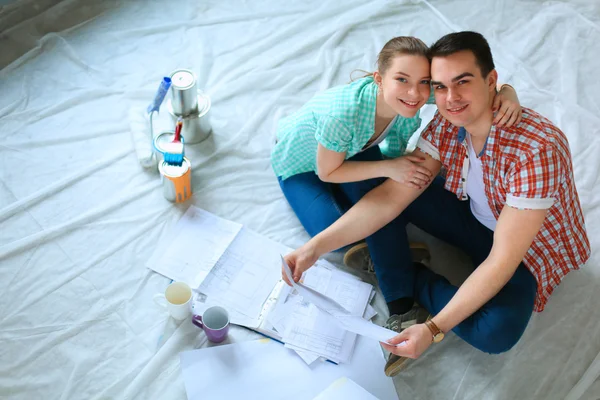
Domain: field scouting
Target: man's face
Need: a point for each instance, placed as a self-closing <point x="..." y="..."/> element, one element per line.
<point x="463" y="96"/>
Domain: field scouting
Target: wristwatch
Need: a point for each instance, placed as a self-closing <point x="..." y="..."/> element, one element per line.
<point x="437" y="333"/>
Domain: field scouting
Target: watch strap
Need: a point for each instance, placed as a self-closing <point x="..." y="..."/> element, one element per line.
<point x="433" y="328"/>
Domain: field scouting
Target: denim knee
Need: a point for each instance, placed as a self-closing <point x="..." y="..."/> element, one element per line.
<point x="357" y="190"/>
<point x="498" y="335"/>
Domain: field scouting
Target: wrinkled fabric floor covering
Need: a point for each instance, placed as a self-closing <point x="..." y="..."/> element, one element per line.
<point x="80" y="217"/>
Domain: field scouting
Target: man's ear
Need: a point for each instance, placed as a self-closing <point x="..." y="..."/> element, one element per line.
<point x="492" y="80"/>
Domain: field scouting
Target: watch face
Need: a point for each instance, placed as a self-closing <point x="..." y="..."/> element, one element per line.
<point x="439" y="337"/>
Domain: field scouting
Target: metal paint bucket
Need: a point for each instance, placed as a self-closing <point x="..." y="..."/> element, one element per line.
<point x="176" y="180"/>
<point x="184" y="100"/>
<point x="164" y="137"/>
<point x="196" y="126"/>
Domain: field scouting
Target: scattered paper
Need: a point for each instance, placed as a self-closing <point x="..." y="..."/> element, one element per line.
<point x="370" y="312"/>
<point x="196" y="243"/>
<point x="244" y="276"/>
<point x="307" y="356"/>
<point x="264" y="369"/>
<point x="314" y="330"/>
<point x="345" y="389"/>
<point x="349" y="322"/>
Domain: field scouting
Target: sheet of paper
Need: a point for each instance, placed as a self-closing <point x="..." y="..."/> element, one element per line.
<point x="366" y="328"/>
<point x="244" y="277"/>
<point x="282" y="314"/>
<point x="372" y="295"/>
<point x="265" y="369"/>
<point x="284" y="310"/>
<point x="349" y="322"/>
<point x="310" y="295"/>
<point x="314" y="330"/>
<point x="370" y="312"/>
<point x="303" y="331"/>
<point x="345" y="289"/>
<point x="234" y="317"/>
<point x="307" y="356"/>
<point x="196" y="243"/>
<point x="345" y="389"/>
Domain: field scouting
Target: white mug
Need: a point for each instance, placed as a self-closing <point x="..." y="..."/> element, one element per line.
<point x="177" y="300"/>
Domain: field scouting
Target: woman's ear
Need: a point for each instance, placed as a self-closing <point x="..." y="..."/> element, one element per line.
<point x="377" y="78"/>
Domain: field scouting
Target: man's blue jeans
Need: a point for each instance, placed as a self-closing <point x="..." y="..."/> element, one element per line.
<point x="494" y="328"/>
<point x="500" y="323"/>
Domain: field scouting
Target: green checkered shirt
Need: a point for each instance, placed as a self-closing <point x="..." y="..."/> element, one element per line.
<point x="341" y="119"/>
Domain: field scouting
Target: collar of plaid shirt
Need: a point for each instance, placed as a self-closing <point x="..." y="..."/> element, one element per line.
<point x="462" y="134"/>
<point x="461" y="189"/>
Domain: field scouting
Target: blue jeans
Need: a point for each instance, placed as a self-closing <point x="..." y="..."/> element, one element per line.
<point x="319" y="204"/>
<point x="494" y="328"/>
<point x="500" y="323"/>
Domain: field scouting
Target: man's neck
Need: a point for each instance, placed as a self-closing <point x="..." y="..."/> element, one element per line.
<point x="480" y="129"/>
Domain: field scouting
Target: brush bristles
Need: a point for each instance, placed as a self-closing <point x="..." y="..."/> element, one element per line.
<point x="174" y="159"/>
<point x="173" y="148"/>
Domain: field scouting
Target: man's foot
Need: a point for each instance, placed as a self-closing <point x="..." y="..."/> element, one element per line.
<point x="398" y="323"/>
<point x="420" y="253"/>
<point x="358" y="256"/>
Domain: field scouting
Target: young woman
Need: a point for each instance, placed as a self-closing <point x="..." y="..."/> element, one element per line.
<point x="349" y="139"/>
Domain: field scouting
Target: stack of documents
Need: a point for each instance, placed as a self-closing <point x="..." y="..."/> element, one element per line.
<point x="240" y="270"/>
<point x="309" y="330"/>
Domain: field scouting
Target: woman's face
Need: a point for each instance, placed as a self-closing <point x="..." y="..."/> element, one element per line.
<point x="405" y="84"/>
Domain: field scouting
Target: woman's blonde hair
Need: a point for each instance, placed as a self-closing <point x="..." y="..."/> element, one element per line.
<point x="400" y="45"/>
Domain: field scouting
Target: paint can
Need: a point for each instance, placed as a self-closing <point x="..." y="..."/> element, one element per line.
<point x="184" y="98"/>
<point x="160" y="140"/>
<point x="176" y="180"/>
<point x="196" y="126"/>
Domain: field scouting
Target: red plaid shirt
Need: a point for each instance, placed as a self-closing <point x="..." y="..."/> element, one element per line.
<point x="527" y="166"/>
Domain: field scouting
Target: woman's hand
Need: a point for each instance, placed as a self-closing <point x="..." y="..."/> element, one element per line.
<point x="407" y="171"/>
<point x="507" y="107"/>
<point x="416" y="338"/>
<point x="299" y="261"/>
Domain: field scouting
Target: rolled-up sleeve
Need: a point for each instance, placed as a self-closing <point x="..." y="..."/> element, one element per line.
<point x="429" y="142"/>
<point x="535" y="181"/>
<point x="333" y="134"/>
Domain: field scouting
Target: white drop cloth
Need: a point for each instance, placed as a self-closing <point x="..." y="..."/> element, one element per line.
<point x="79" y="217"/>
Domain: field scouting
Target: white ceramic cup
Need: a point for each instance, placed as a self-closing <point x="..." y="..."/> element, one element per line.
<point x="177" y="300"/>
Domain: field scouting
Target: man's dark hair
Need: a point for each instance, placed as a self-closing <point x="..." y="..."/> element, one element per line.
<point x="460" y="41"/>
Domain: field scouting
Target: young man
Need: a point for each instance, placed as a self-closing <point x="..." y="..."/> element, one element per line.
<point x="508" y="200"/>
